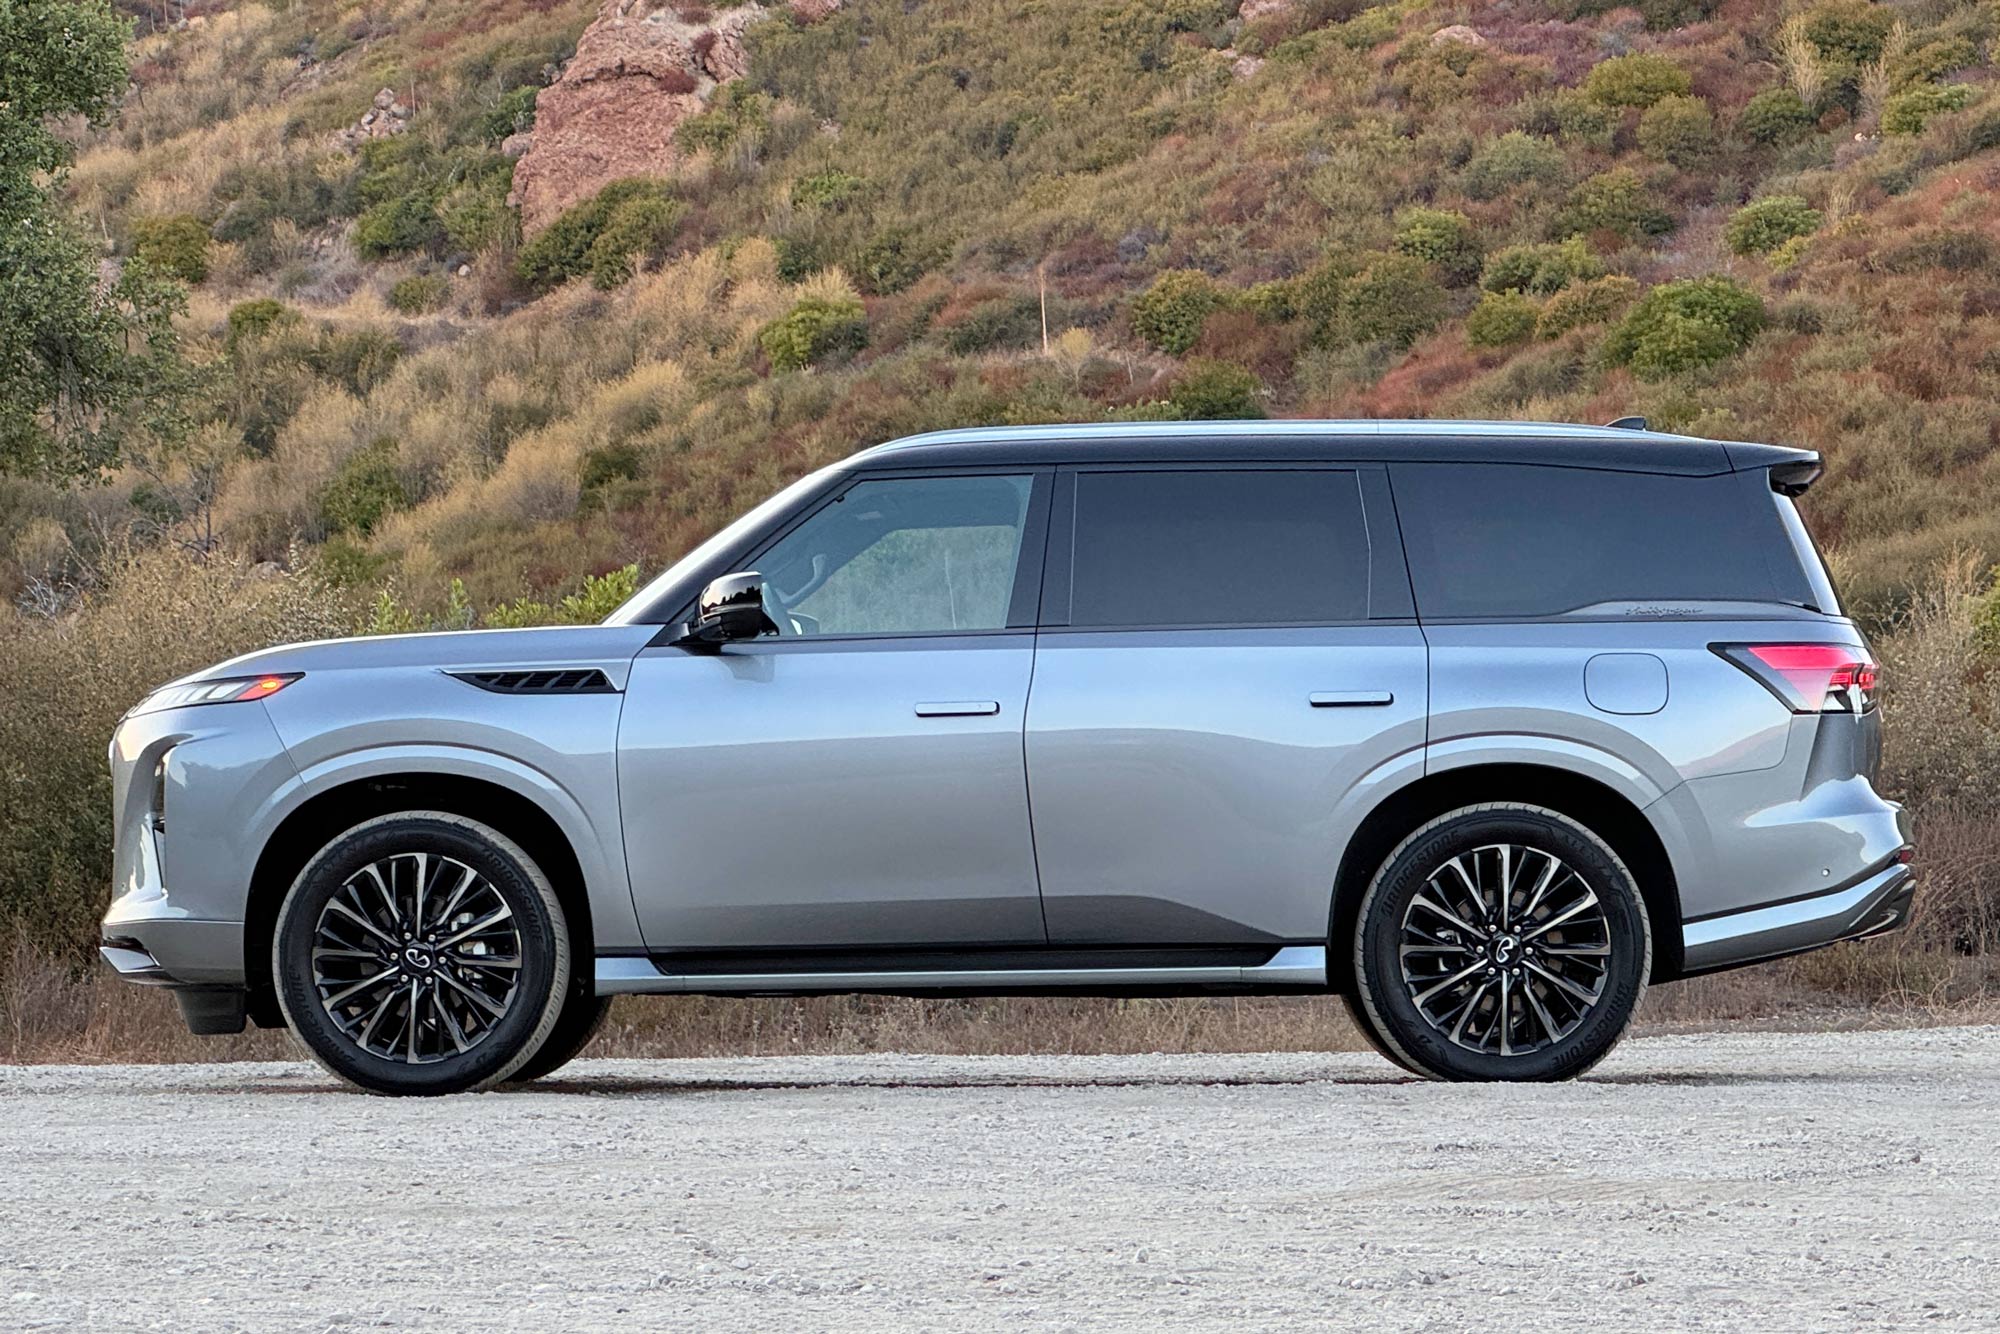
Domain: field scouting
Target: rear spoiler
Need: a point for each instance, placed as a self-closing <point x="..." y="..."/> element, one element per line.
<point x="1792" y="478"/>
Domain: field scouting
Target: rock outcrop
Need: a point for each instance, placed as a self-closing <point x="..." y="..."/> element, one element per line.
<point x="640" y="69"/>
<point x="387" y="116"/>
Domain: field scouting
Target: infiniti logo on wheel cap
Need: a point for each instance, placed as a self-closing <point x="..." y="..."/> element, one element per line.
<point x="417" y="957"/>
<point x="1505" y="948"/>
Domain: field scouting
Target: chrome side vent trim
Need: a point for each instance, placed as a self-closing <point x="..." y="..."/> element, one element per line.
<point x="542" y="681"/>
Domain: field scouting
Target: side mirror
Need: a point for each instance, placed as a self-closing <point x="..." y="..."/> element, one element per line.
<point x="730" y="608"/>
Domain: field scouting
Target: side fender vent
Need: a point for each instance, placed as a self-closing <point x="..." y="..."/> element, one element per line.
<point x="554" y="681"/>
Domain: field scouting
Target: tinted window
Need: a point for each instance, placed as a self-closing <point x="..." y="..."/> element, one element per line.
<point x="1218" y="548"/>
<point x="1494" y="540"/>
<point x="917" y="555"/>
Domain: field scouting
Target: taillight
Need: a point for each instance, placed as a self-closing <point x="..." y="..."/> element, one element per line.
<point x="1810" y="678"/>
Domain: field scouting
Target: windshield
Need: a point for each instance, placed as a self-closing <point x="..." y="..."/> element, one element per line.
<point x="635" y="607"/>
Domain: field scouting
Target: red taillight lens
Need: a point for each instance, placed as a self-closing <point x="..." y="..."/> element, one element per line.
<point x="1810" y="678"/>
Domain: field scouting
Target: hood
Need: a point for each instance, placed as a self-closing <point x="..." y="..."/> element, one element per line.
<point x="609" y="647"/>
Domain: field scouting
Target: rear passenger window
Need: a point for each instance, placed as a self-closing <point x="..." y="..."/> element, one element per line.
<point x="1213" y="547"/>
<point x="1509" y="541"/>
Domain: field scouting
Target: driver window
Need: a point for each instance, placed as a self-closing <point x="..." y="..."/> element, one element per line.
<point x="909" y="555"/>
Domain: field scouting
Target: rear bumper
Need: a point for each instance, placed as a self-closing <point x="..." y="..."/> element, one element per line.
<point x="1874" y="905"/>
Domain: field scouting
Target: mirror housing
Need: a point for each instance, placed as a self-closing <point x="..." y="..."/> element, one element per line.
<point x="730" y="608"/>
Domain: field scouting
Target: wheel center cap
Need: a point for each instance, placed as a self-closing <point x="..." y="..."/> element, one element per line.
<point x="1506" y="949"/>
<point x="417" y="957"/>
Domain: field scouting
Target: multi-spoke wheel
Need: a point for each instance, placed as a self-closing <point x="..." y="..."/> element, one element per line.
<point x="422" y="953"/>
<point x="1501" y="942"/>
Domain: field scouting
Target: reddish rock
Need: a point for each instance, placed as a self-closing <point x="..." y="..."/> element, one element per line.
<point x="1252" y="10"/>
<point x="640" y="70"/>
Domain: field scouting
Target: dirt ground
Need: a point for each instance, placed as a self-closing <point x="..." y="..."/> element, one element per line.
<point x="1744" y="1180"/>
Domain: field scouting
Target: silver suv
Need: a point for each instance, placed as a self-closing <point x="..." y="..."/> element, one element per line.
<point x="1483" y="726"/>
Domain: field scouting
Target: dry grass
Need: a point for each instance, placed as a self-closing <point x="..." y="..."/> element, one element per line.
<point x="54" y="1012"/>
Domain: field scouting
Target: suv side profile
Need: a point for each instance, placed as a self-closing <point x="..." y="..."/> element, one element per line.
<point x="1484" y="726"/>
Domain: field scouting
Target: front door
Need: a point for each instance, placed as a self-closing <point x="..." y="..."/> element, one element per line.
<point x="855" y="780"/>
<point x="1227" y="655"/>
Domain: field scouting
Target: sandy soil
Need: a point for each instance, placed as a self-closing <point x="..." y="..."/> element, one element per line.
<point x="1734" y="1181"/>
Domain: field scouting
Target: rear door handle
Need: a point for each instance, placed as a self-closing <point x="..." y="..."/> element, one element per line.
<point x="1350" y="699"/>
<point x="957" y="708"/>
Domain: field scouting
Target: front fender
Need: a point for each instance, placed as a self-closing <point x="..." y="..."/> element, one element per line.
<point x="596" y="839"/>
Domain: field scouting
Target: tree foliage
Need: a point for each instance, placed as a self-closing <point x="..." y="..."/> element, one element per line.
<point x="85" y="366"/>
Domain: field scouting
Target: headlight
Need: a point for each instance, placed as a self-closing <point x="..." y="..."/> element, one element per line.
<point x="228" y="690"/>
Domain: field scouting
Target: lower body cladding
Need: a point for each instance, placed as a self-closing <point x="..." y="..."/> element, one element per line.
<point x="1160" y="973"/>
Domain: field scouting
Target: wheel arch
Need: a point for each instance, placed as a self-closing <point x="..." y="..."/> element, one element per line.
<point x="325" y="815"/>
<point x="1597" y="806"/>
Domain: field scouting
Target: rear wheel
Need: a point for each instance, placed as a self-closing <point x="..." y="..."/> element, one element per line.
<point x="421" y="953"/>
<point x="1501" y="941"/>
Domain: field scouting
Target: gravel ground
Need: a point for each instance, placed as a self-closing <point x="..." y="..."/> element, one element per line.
<point x="1737" y="1181"/>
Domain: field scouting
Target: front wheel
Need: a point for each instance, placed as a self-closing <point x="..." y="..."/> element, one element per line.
<point x="1502" y="942"/>
<point x="421" y="953"/>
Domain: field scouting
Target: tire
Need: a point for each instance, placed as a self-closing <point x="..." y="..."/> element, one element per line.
<point x="400" y="996"/>
<point x="582" y="1016"/>
<point x="1364" y="1023"/>
<point x="1542" y="991"/>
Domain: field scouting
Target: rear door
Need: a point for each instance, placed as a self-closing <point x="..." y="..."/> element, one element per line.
<point x="1225" y="651"/>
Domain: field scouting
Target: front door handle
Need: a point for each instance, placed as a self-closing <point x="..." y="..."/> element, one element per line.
<point x="1349" y="699"/>
<point x="957" y="708"/>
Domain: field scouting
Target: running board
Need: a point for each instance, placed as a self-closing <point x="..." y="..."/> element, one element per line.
<point x="1292" y="966"/>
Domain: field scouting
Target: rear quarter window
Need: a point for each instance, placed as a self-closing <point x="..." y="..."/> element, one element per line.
<point x="1508" y="541"/>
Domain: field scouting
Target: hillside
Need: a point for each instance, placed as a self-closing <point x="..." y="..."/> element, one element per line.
<point x="492" y="296"/>
<point x="1310" y="208"/>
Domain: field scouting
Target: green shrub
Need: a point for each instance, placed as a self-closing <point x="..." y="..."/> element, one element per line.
<point x="364" y="491"/>
<point x="896" y="257"/>
<point x="1775" y="116"/>
<point x="738" y="111"/>
<point x="175" y="244"/>
<point x="398" y="226"/>
<point x="1541" y="269"/>
<point x="251" y="320"/>
<point x="1679" y="131"/>
<point x="600" y="595"/>
<point x="1613" y="201"/>
<point x="1275" y="301"/>
<point x="1637" y="80"/>
<point x="1908" y="112"/>
<point x="1394" y="300"/>
<point x="1501" y="319"/>
<point x="475" y="214"/>
<point x="830" y="189"/>
<point x="1511" y="160"/>
<point x="419" y="294"/>
<point x="1002" y="322"/>
<point x="1684" y="326"/>
<point x="1583" y="304"/>
<point x="603" y="236"/>
<point x="1441" y="238"/>
<point x="1170" y="313"/>
<point x="1932" y="61"/>
<point x="1849" y="33"/>
<point x="359" y="359"/>
<point x="640" y="227"/>
<point x="514" y="113"/>
<point x="1761" y="227"/>
<point x="815" y="328"/>
<point x="1216" y="391"/>
<point x="1953" y="249"/>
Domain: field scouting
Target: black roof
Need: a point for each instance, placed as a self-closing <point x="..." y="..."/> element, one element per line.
<point x="1330" y="441"/>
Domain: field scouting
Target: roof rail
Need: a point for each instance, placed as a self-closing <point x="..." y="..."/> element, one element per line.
<point x="1627" y="424"/>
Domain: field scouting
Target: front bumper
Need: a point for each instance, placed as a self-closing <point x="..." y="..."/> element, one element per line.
<point x="1874" y="905"/>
